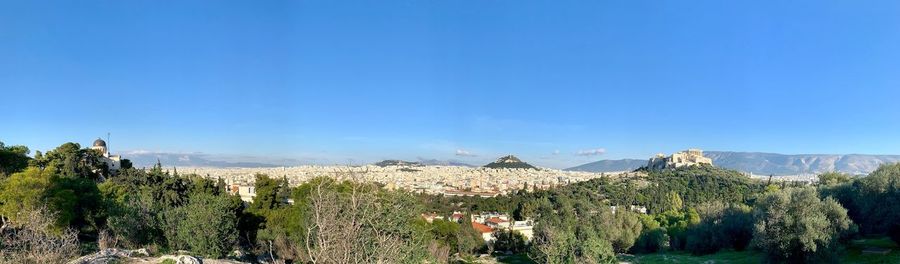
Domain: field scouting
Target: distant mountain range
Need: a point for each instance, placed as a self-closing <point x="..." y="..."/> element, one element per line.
<point x="765" y="163"/>
<point x="610" y="165"/>
<point x="421" y="162"/>
<point x="147" y="160"/>
<point x="509" y="162"/>
<point x="385" y="163"/>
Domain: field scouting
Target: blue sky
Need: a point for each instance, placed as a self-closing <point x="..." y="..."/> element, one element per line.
<point x="359" y="81"/>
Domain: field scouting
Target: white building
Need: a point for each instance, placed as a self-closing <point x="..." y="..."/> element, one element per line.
<point x="247" y="193"/>
<point x="526" y="228"/>
<point x="113" y="162"/>
<point x="488" y="222"/>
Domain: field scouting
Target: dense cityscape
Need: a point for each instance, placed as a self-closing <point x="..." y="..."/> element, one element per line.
<point x="446" y="180"/>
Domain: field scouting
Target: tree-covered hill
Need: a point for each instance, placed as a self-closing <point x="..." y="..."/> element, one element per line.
<point x="509" y="162"/>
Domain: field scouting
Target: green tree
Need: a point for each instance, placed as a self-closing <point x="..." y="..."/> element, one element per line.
<point x="675" y="203"/>
<point x="554" y="245"/>
<point x="445" y="232"/>
<point x="71" y="161"/>
<point x="13" y="159"/>
<point x="653" y="236"/>
<point x="622" y="229"/>
<point x="796" y="226"/>
<point x="834" y="178"/>
<point x="270" y="194"/>
<point x="132" y="220"/>
<point x="206" y="225"/>
<point x="721" y="226"/>
<point x="505" y="240"/>
<point x="74" y="202"/>
<point x="24" y="191"/>
<point x="873" y="201"/>
<point x="468" y="240"/>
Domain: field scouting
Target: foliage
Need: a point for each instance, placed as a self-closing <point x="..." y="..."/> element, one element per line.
<point x="24" y="190"/>
<point x="894" y="233"/>
<point x="13" y="159"/>
<point x="553" y="245"/>
<point x="71" y="161"/>
<point x="156" y="207"/>
<point x="834" y="178"/>
<point x="133" y="224"/>
<point x="205" y="225"/>
<point x="676" y="224"/>
<point x="75" y="202"/>
<point x="873" y="201"/>
<point x="795" y="225"/>
<point x="622" y="229"/>
<point x="510" y="241"/>
<point x="695" y="185"/>
<point x="270" y="194"/>
<point x="468" y="240"/>
<point x="359" y="223"/>
<point x="722" y="226"/>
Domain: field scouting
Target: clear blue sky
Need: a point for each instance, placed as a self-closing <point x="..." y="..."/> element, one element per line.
<point x="337" y="81"/>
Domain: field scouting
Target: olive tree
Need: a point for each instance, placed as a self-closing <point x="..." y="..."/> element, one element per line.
<point x="795" y="225"/>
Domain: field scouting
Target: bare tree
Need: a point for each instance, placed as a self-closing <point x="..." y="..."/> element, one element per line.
<point x="4" y="223"/>
<point x="35" y="239"/>
<point x="356" y="225"/>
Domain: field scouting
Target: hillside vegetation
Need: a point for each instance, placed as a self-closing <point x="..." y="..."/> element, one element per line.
<point x="58" y="205"/>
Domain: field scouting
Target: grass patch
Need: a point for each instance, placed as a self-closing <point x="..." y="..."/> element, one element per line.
<point x="854" y="252"/>
<point x="851" y="254"/>
<point x="727" y="256"/>
<point x="520" y="258"/>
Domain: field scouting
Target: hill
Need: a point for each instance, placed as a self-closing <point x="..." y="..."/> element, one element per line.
<point x="766" y="163"/>
<point x="509" y="162"/>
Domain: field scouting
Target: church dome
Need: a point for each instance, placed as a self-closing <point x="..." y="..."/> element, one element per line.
<point x="99" y="143"/>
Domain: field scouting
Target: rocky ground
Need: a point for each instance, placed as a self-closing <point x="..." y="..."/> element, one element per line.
<point x="113" y="255"/>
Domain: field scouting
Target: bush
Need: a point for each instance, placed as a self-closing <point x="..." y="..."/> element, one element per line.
<point x="796" y="226"/>
<point x="874" y="201"/>
<point x="704" y="239"/>
<point x="651" y="241"/>
<point x="132" y="223"/>
<point x="556" y="245"/>
<point x="206" y="225"/>
<point x="894" y="233"/>
<point x="509" y="241"/>
<point x="721" y="227"/>
<point x="34" y="238"/>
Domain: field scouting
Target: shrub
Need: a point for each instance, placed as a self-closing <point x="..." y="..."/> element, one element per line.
<point x="894" y="233"/>
<point x="206" y="225"/>
<point x="34" y="238"/>
<point x="794" y="225"/>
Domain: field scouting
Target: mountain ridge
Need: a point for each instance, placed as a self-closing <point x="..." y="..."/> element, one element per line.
<point x="766" y="163"/>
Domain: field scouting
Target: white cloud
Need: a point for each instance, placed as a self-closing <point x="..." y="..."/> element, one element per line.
<point x="555" y="152"/>
<point x="139" y="152"/>
<point x="464" y="153"/>
<point x="591" y="152"/>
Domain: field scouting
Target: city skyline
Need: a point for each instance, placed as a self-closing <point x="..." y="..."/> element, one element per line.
<point x="556" y="85"/>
